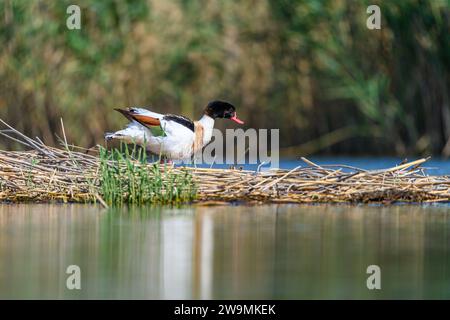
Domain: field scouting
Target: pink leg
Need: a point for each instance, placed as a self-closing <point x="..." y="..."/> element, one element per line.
<point x="167" y="161"/>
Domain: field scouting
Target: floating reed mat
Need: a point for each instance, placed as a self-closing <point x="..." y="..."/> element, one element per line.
<point x="69" y="174"/>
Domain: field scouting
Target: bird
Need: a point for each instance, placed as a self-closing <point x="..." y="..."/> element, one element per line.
<point x="172" y="137"/>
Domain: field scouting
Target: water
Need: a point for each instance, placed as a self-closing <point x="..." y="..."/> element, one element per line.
<point x="239" y="252"/>
<point x="434" y="166"/>
<point x="229" y="252"/>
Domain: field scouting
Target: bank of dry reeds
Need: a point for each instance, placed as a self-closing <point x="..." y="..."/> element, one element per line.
<point x="311" y="183"/>
<point x="69" y="174"/>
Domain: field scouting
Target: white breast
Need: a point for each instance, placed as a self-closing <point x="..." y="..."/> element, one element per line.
<point x="208" y="125"/>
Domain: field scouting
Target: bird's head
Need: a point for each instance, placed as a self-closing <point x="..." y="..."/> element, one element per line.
<point x="221" y="109"/>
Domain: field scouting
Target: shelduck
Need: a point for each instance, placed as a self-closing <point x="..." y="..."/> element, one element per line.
<point x="174" y="137"/>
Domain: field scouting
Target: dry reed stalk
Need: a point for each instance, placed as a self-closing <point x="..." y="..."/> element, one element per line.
<point x="47" y="173"/>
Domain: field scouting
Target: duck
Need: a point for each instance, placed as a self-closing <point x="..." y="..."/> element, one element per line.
<point x="170" y="136"/>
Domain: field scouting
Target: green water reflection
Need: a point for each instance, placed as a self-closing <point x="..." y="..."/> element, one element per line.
<point x="232" y="252"/>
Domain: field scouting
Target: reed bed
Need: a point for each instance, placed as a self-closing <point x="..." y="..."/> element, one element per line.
<point x="311" y="183"/>
<point x="70" y="174"/>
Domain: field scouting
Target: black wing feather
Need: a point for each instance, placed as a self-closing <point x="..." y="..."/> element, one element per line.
<point x="188" y="123"/>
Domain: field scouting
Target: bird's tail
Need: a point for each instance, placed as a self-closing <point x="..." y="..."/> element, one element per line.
<point x="110" y="136"/>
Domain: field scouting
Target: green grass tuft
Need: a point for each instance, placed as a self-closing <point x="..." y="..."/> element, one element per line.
<point x="127" y="178"/>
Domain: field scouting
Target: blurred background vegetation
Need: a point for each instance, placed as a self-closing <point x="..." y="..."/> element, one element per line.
<point x="310" y="68"/>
